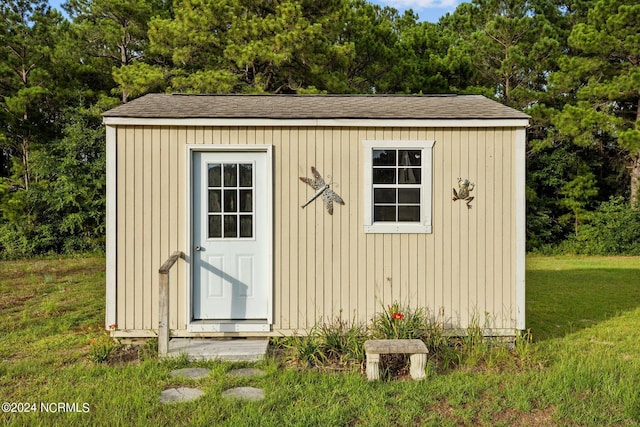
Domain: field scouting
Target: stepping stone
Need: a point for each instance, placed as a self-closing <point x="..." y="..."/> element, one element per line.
<point x="246" y="372"/>
<point x="244" y="393"/>
<point x="181" y="394"/>
<point x="193" y="373"/>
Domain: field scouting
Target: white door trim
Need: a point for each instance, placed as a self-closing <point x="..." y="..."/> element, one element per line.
<point x="226" y="326"/>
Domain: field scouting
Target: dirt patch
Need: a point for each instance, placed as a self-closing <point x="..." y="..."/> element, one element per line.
<point x="125" y="354"/>
<point x="506" y="417"/>
<point x="15" y="301"/>
<point x="537" y="417"/>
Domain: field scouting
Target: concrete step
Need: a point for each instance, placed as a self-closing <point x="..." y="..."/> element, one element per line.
<point x="234" y="350"/>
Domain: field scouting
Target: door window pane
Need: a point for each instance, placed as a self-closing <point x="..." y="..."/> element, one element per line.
<point x="246" y="175"/>
<point x="215" y="226"/>
<point x="230" y="201"/>
<point x="230" y="175"/>
<point x="246" y="226"/>
<point x="215" y="204"/>
<point x="214" y="175"/>
<point x="246" y="200"/>
<point x="230" y="226"/>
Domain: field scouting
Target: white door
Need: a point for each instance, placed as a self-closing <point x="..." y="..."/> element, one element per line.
<point x="230" y="239"/>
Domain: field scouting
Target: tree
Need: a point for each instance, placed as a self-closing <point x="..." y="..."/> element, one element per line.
<point x="604" y="79"/>
<point x="63" y="211"/>
<point x="26" y="88"/>
<point x="512" y="46"/>
<point x="285" y="46"/>
<point x="114" y="30"/>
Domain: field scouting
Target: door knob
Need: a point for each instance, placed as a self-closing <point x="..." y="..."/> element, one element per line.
<point x="198" y="248"/>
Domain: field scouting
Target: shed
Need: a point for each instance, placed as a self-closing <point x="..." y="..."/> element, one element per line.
<point x="218" y="178"/>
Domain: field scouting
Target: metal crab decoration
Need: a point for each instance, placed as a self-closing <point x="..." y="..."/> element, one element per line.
<point x="464" y="189"/>
<point x="328" y="195"/>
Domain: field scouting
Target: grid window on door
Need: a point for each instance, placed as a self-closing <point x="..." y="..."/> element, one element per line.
<point x="230" y="208"/>
<point x="397" y="183"/>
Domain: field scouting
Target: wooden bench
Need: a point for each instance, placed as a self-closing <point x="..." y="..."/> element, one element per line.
<point x="416" y="349"/>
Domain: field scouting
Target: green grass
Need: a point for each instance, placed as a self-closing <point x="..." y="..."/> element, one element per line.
<point x="582" y="369"/>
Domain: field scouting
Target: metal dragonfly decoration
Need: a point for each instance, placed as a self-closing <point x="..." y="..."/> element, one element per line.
<point x="322" y="188"/>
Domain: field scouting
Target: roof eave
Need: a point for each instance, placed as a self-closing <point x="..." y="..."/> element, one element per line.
<point x="318" y="122"/>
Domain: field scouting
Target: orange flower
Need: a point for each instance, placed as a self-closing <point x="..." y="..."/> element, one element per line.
<point x="112" y="327"/>
<point x="397" y="316"/>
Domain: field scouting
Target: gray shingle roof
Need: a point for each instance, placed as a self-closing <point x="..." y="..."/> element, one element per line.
<point x="315" y="107"/>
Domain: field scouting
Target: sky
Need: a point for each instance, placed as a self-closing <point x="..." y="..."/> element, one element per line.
<point x="427" y="10"/>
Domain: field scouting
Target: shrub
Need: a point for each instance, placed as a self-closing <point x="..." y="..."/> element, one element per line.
<point x="613" y="229"/>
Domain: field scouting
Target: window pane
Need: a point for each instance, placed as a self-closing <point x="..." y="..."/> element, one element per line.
<point x="246" y="226"/>
<point x="246" y="202"/>
<point x="230" y="226"/>
<point x="409" y="195"/>
<point x="409" y="213"/>
<point x="384" y="213"/>
<point x="230" y="201"/>
<point x="384" y="157"/>
<point x="409" y="158"/>
<point x="384" y="195"/>
<point x="230" y="175"/>
<point x="214" y="201"/>
<point x="384" y="176"/>
<point x="214" y="175"/>
<point x="215" y="226"/>
<point x="409" y="176"/>
<point x="246" y="171"/>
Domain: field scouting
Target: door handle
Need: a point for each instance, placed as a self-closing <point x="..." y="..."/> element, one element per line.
<point x="198" y="248"/>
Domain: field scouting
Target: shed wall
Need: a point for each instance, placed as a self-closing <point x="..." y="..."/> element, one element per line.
<point x="326" y="265"/>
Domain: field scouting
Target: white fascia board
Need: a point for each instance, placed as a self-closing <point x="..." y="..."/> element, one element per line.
<point x="521" y="232"/>
<point x="111" y="227"/>
<point x="411" y="123"/>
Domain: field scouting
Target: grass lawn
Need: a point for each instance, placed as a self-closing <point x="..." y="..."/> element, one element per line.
<point x="583" y="368"/>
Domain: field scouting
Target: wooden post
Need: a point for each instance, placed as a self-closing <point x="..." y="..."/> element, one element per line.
<point x="163" y="316"/>
<point x="163" y="302"/>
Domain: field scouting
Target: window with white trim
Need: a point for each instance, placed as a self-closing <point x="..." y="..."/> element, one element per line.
<point x="398" y="182"/>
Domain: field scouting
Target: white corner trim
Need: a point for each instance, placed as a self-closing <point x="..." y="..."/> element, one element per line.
<point x="190" y="149"/>
<point x="425" y="224"/>
<point x="521" y="231"/>
<point x="111" y="226"/>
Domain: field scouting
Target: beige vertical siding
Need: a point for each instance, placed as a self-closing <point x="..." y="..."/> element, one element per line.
<point x="325" y="265"/>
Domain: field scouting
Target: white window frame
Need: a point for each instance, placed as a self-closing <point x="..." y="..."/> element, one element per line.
<point x="426" y="187"/>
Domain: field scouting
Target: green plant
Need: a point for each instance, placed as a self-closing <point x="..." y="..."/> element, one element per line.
<point x="148" y="350"/>
<point x="398" y="322"/>
<point x="303" y="349"/>
<point x="101" y="347"/>
<point x="613" y="229"/>
<point x="342" y="342"/>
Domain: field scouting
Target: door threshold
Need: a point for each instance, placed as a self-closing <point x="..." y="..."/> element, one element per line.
<point x="227" y="325"/>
